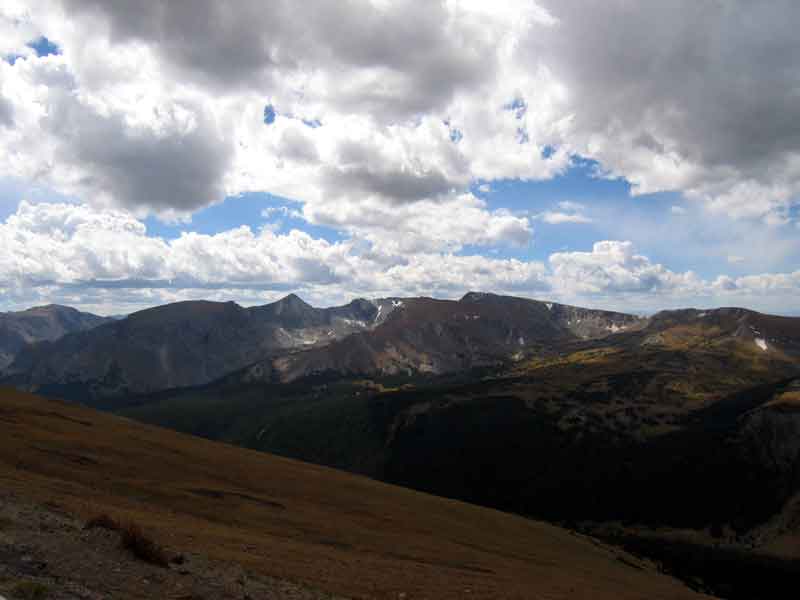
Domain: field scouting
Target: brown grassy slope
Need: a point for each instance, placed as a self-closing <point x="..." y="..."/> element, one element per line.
<point x="297" y="521"/>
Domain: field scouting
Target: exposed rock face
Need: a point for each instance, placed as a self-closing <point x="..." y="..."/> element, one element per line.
<point x="423" y="335"/>
<point x="19" y="329"/>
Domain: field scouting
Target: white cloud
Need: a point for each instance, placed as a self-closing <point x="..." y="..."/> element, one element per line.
<point x="451" y="276"/>
<point x="568" y="205"/>
<point x="411" y="104"/>
<point x="66" y="244"/>
<point x="767" y="283"/>
<point x="78" y="255"/>
<point x="499" y="77"/>
<point x="614" y="276"/>
<point x="170" y="119"/>
<point x="283" y="211"/>
<point x="384" y="116"/>
<point x="613" y="267"/>
<point x="54" y="248"/>
<point x="16" y="29"/>
<point x="556" y="218"/>
<point x="447" y="224"/>
<point x="568" y="212"/>
<point x="135" y="148"/>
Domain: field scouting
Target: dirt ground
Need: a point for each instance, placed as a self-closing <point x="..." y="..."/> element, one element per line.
<point x="45" y="553"/>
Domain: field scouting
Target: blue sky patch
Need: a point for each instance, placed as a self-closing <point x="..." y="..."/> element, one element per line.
<point x="518" y="106"/>
<point x="269" y="114"/>
<point x="44" y="47"/>
<point x="246" y="209"/>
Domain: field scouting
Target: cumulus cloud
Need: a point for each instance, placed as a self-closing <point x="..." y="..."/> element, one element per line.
<point x="614" y="267"/>
<point x="614" y="275"/>
<point x="370" y="102"/>
<point x="390" y="58"/>
<point x="73" y="244"/>
<point x="165" y="156"/>
<point x="407" y="104"/>
<point x="768" y="283"/>
<point x="447" y="224"/>
<point x="58" y="247"/>
<point x="78" y="255"/>
<point x="6" y="113"/>
<point x="700" y="97"/>
<point x="556" y="218"/>
<point x="16" y="29"/>
<point x="567" y="212"/>
<point x="283" y="211"/>
<point x="382" y="116"/>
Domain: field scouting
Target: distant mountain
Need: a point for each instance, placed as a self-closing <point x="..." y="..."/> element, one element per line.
<point x="424" y="335"/>
<point x="19" y="329"/>
<point x="178" y="345"/>
<point x="187" y="344"/>
<point x="772" y="335"/>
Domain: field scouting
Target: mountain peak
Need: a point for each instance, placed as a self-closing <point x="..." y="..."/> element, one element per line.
<point x="475" y="296"/>
<point x="293" y="300"/>
<point x="49" y="308"/>
<point x="291" y="306"/>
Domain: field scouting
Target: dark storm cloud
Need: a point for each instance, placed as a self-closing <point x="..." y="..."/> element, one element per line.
<point x="6" y="113"/>
<point x="245" y="43"/>
<point x="174" y="170"/>
<point x="718" y="82"/>
<point x="395" y="184"/>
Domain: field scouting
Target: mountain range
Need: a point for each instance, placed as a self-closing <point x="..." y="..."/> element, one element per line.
<point x="674" y="435"/>
<point x="179" y="345"/>
<point x="193" y="343"/>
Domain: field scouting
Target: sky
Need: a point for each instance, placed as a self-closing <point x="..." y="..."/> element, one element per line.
<point x="635" y="156"/>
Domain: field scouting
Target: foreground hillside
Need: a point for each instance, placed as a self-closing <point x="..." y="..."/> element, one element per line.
<point x="278" y="518"/>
